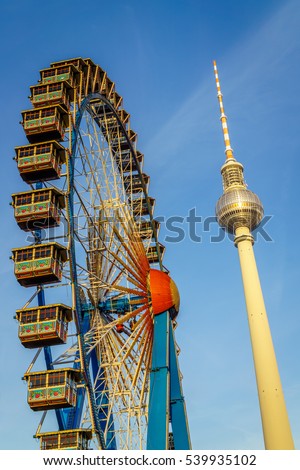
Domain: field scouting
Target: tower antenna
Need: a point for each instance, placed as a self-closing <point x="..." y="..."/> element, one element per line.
<point x="223" y="117"/>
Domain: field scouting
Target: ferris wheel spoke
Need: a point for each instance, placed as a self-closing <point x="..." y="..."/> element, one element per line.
<point x="147" y="353"/>
<point x="113" y="251"/>
<point x="113" y="287"/>
<point x="135" y="251"/>
<point x="98" y="333"/>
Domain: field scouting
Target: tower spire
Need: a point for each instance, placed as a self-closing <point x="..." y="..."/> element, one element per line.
<point x="223" y="117"/>
<point x="239" y="211"/>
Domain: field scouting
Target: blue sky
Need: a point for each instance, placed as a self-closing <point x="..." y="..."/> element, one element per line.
<point x="160" y="55"/>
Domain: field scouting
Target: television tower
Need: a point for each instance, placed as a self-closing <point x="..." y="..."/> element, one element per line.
<point x="239" y="211"/>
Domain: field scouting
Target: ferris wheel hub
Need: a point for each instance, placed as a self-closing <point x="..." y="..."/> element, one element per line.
<point x="164" y="293"/>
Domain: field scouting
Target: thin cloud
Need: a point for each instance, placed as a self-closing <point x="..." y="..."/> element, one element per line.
<point x="251" y="67"/>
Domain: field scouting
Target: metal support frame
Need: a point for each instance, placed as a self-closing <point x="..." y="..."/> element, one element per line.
<point x="166" y="402"/>
<point x="158" y="418"/>
<point x="178" y="414"/>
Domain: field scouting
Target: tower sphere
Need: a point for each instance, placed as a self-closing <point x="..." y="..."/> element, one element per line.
<point x="164" y="293"/>
<point x="239" y="207"/>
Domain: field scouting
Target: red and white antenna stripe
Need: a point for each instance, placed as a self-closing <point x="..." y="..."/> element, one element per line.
<point x="228" y="149"/>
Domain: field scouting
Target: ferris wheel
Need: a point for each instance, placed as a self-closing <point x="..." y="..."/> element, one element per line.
<point x="110" y="378"/>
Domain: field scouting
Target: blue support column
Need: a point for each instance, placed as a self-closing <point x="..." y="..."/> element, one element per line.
<point x="180" y="428"/>
<point x="47" y="350"/>
<point x="100" y="385"/>
<point x="48" y="360"/>
<point x="75" y="413"/>
<point x="158" y="418"/>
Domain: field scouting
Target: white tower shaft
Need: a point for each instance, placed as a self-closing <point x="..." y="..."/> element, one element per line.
<point x="275" y="422"/>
